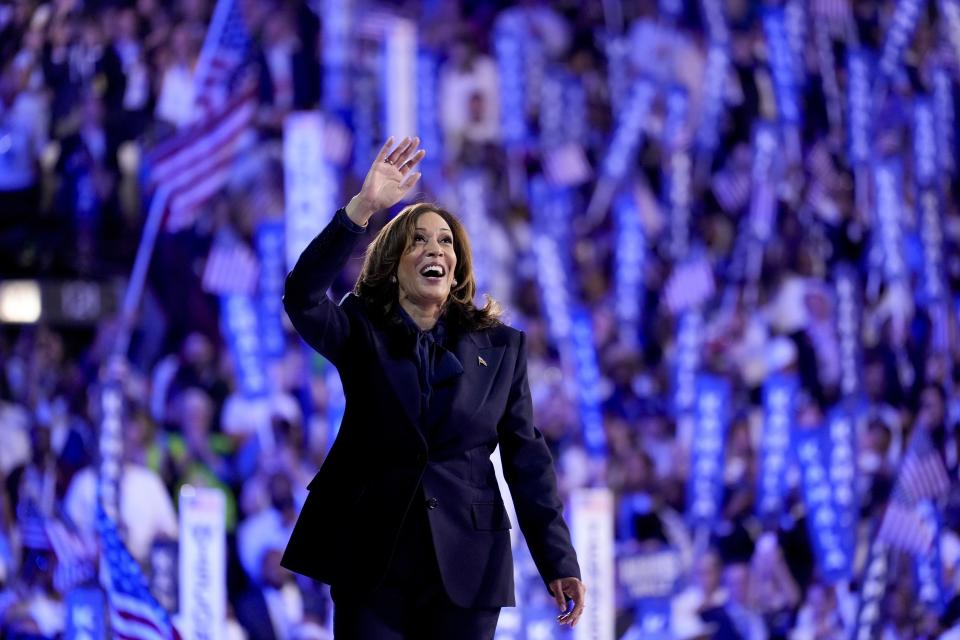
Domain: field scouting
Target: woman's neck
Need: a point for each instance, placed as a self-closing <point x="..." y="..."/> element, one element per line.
<point x="424" y="316"/>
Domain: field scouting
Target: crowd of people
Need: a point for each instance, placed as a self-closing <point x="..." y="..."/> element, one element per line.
<point x="86" y="90"/>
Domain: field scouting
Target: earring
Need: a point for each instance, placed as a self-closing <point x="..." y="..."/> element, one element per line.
<point x="455" y="282"/>
<point x="393" y="278"/>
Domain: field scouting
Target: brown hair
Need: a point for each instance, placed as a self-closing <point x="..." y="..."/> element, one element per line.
<point x="377" y="285"/>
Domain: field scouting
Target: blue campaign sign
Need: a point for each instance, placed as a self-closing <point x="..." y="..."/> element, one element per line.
<point x="630" y="257"/>
<point x="648" y="576"/>
<point x="428" y="124"/>
<point x="779" y="394"/>
<point x="823" y="518"/>
<point x="588" y="381"/>
<point x="763" y="198"/>
<point x="928" y="199"/>
<point x="716" y="21"/>
<point x="841" y="425"/>
<point x="929" y="568"/>
<point x="551" y="208"/>
<point x="924" y="143"/>
<point x="899" y="33"/>
<point x="783" y="66"/>
<point x="934" y="288"/>
<point x="86" y="607"/>
<point x="509" y="37"/>
<point x="689" y="340"/>
<point x="859" y="105"/>
<point x="943" y="119"/>
<point x="677" y="172"/>
<point x="270" y="242"/>
<point x="705" y="489"/>
<point x="238" y="316"/>
<point x="714" y="85"/>
<point x="888" y="187"/>
<point x="848" y="318"/>
<point x="869" y="614"/>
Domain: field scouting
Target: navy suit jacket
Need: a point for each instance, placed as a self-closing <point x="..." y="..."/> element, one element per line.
<point x="348" y="529"/>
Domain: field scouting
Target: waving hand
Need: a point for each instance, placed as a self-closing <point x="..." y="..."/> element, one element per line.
<point x="389" y="179"/>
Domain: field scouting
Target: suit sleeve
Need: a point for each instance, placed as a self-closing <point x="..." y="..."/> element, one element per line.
<point x="528" y="469"/>
<point x="318" y="319"/>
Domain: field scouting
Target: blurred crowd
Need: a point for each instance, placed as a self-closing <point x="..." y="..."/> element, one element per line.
<point x="86" y="88"/>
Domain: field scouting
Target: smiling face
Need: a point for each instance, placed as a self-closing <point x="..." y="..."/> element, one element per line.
<point x="426" y="270"/>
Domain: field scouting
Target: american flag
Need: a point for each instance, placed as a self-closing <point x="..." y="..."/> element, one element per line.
<point x="232" y="268"/>
<point x="567" y="166"/>
<point x="731" y="187"/>
<point x="836" y="14"/>
<point x="195" y="163"/>
<point x="903" y="528"/>
<point x="75" y="559"/>
<point x="32" y="526"/>
<point x="690" y="285"/>
<point x="134" y="613"/>
<point x="922" y="476"/>
<point x="223" y="64"/>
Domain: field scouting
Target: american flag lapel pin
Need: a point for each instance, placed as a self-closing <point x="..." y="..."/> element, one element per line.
<point x="481" y="361"/>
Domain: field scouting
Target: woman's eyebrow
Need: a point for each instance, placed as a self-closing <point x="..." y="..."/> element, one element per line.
<point x="425" y="229"/>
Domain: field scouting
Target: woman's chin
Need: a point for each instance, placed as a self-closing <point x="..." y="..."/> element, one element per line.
<point x="427" y="299"/>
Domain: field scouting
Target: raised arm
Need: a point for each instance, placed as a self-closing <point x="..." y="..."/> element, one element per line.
<point x="321" y="322"/>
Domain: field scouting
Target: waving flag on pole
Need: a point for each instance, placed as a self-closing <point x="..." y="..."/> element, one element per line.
<point x="134" y="613"/>
<point x="922" y="476"/>
<point x="224" y="59"/>
<point x="187" y="169"/>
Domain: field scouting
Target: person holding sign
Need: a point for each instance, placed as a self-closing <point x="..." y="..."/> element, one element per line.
<point x="404" y="519"/>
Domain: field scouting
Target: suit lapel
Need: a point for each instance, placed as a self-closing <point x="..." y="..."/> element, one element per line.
<point x="401" y="373"/>
<point x="480" y="361"/>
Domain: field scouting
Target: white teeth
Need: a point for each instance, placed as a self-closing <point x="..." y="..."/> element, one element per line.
<point x="432" y="271"/>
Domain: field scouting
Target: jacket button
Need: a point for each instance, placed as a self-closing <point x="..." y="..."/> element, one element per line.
<point x="432" y="503"/>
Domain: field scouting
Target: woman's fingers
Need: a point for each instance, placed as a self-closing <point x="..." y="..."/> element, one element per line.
<point x="395" y="157"/>
<point x="407" y="184"/>
<point x="407" y="150"/>
<point x="381" y="156"/>
<point x="556" y="587"/>
<point x="413" y="161"/>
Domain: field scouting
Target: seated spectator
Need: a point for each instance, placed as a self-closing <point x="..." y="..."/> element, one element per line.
<point x="146" y="509"/>
<point x="272" y="609"/>
<point x="702" y="601"/>
<point x="774" y="592"/>
<point x="270" y="527"/>
<point x="819" y="617"/>
<point x="740" y="607"/>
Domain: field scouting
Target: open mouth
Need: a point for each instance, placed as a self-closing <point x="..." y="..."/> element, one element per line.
<point x="433" y="272"/>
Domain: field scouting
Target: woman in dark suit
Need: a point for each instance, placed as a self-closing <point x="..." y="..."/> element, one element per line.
<point x="404" y="519"/>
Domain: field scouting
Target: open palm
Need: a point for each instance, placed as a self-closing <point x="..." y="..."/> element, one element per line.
<point x="392" y="175"/>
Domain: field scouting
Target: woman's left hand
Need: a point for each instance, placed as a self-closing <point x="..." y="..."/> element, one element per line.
<point x="574" y="589"/>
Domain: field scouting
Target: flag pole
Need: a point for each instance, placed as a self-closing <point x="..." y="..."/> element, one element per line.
<point x="220" y="12"/>
<point x="141" y="264"/>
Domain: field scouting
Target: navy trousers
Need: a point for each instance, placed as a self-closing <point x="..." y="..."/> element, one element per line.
<point x="411" y="603"/>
